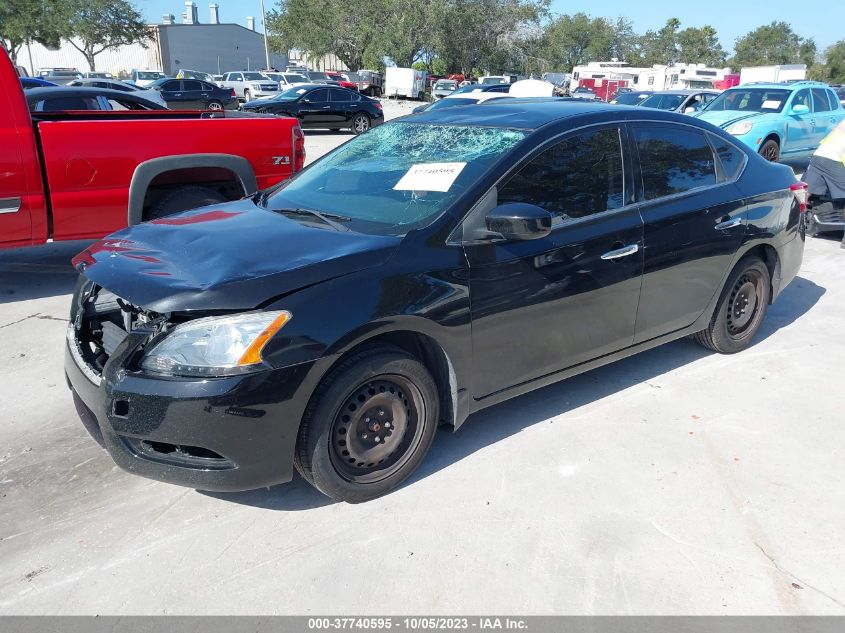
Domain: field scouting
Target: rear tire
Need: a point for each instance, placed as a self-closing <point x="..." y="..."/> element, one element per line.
<point x="183" y="199"/>
<point x="215" y="106"/>
<point x="770" y="150"/>
<point x="741" y="308"/>
<point x="360" y="123"/>
<point x="368" y="425"/>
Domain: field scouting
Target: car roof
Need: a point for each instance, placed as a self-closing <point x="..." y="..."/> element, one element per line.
<point x="530" y="113"/>
<point x="80" y="91"/>
<point x="796" y="85"/>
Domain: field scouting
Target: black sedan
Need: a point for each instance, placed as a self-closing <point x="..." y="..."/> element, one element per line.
<point x="435" y="266"/>
<point x="327" y="107"/>
<point x="61" y="99"/>
<point x="193" y="94"/>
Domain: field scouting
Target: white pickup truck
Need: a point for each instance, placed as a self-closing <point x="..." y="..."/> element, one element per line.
<point x="249" y="85"/>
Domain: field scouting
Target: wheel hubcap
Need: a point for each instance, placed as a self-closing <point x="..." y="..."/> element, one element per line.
<point x="376" y="429"/>
<point x="746" y="298"/>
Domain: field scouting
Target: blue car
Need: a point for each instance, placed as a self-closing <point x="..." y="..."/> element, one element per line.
<point x="35" y="82"/>
<point x="775" y="119"/>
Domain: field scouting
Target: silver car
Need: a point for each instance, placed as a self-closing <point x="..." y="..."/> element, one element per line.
<point x="443" y="88"/>
<point x="122" y="86"/>
<point x="249" y="85"/>
<point x="683" y="101"/>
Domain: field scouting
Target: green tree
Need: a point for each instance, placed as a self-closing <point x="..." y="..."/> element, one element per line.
<point x="407" y="29"/>
<point x="26" y="21"/>
<point x="98" y="25"/>
<point x="774" y="43"/>
<point x="661" y="47"/>
<point x="701" y="45"/>
<point x="570" y="40"/>
<point x="832" y="69"/>
<point x="320" y="27"/>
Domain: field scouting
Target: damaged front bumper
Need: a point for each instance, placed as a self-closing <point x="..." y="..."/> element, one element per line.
<point x="219" y="434"/>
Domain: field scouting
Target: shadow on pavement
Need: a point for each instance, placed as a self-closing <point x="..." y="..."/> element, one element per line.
<point x="38" y="271"/>
<point x="503" y="420"/>
<point x="291" y="497"/>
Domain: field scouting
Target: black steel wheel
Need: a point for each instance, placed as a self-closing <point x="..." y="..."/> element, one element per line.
<point x="360" y="123"/>
<point x="368" y="426"/>
<point x="770" y="150"/>
<point x="741" y="308"/>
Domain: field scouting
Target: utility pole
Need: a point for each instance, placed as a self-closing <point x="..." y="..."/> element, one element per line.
<point x="266" y="46"/>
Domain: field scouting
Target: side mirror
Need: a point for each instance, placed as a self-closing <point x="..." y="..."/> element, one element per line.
<point x="519" y="221"/>
<point x="800" y="109"/>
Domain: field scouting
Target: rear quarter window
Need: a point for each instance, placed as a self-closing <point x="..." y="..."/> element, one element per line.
<point x="731" y="158"/>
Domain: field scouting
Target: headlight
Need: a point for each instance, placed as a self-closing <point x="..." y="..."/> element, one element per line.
<point x="215" y="346"/>
<point x="738" y="129"/>
<point x="256" y="86"/>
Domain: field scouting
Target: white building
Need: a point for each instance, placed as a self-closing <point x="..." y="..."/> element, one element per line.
<point x="213" y="47"/>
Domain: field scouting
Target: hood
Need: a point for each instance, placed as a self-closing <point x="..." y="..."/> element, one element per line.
<point x="726" y="118"/>
<point x="234" y="256"/>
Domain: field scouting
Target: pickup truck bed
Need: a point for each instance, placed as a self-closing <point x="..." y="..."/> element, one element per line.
<point x="79" y="175"/>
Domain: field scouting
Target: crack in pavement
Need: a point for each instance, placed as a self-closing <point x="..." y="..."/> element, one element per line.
<point x="803" y="583"/>
<point x="37" y="315"/>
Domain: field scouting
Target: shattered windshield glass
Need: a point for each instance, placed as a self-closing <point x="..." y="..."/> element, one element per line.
<point x="397" y="177"/>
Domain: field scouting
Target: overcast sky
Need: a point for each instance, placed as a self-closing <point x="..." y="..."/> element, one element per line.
<point x="823" y="20"/>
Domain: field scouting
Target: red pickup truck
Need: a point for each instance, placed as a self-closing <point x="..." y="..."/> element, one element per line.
<point x="80" y="175"/>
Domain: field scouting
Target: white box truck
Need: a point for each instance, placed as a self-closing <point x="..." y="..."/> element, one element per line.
<point x="404" y="82"/>
<point x="774" y="74"/>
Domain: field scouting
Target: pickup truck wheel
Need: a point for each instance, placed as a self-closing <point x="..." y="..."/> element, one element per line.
<point x="741" y="308"/>
<point x="368" y="425"/>
<point x="184" y="199"/>
<point x="247" y="95"/>
<point x="215" y="106"/>
<point x="770" y="150"/>
<point x="360" y="123"/>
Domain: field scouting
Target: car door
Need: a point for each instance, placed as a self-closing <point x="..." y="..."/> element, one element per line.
<point x="800" y="126"/>
<point x="824" y="117"/>
<point x="342" y="107"/>
<point x="192" y="93"/>
<point x="695" y="219"/>
<point x="314" y="108"/>
<point x="543" y="305"/>
<point x="171" y="92"/>
<point x="15" y="200"/>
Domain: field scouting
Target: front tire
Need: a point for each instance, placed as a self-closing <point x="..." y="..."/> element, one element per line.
<point x="741" y="308"/>
<point x="770" y="150"/>
<point x="368" y="425"/>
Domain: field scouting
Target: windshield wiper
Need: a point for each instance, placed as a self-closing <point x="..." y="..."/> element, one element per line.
<point x="332" y="219"/>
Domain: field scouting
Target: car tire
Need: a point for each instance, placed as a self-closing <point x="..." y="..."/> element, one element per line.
<point x="378" y="392"/>
<point x="183" y="199"/>
<point x="215" y="106"/>
<point x="247" y="96"/>
<point x="360" y="123"/>
<point x="770" y="150"/>
<point x="741" y="309"/>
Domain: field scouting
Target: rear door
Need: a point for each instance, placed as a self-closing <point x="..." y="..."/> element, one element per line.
<point x="800" y="127"/>
<point x="543" y="305"/>
<point x="342" y="107"/>
<point x="823" y="110"/>
<point x="695" y="219"/>
<point x="192" y="93"/>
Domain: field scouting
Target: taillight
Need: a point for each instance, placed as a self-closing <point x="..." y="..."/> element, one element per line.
<point x="298" y="149"/>
<point x="377" y="104"/>
<point x="801" y="191"/>
<point x="234" y="94"/>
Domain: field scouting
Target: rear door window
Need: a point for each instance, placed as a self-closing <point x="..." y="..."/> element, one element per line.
<point x="673" y="160"/>
<point x="821" y="102"/>
<point x="581" y="176"/>
<point x="341" y="96"/>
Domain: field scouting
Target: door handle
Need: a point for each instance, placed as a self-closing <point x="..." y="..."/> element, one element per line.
<point x="728" y="224"/>
<point x="621" y="252"/>
<point x="326" y="107"/>
<point x="10" y="205"/>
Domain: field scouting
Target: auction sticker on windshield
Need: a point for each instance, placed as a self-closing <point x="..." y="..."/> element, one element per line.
<point x="770" y="105"/>
<point x="430" y="177"/>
